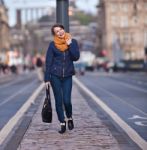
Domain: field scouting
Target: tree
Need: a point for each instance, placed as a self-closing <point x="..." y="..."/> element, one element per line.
<point x="84" y="18"/>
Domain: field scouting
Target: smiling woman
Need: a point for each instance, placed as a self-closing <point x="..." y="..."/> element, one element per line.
<point x="59" y="69"/>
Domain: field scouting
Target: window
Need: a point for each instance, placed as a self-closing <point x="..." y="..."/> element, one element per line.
<point x="114" y="7"/>
<point x="132" y="37"/>
<point x="126" y="37"/>
<point x="124" y="21"/>
<point x="139" y="6"/>
<point x="125" y="7"/>
<point x="127" y="55"/>
<point x="132" y="55"/>
<point x="114" y="21"/>
<point x="139" y="54"/>
<point x="145" y="21"/>
<point x="115" y="36"/>
<point x="145" y="5"/>
<point x="134" y="21"/>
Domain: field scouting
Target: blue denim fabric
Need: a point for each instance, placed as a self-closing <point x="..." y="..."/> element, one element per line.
<point x="61" y="63"/>
<point x="62" y="87"/>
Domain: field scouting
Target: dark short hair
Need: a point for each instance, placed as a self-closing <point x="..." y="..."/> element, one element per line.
<point x="56" y="25"/>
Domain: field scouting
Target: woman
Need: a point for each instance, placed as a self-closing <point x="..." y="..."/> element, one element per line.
<point x="62" y="51"/>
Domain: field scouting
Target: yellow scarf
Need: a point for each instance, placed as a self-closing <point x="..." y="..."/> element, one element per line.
<point x="60" y="43"/>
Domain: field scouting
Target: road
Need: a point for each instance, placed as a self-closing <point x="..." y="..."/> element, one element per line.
<point x="124" y="93"/>
<point x="14" y="92"/>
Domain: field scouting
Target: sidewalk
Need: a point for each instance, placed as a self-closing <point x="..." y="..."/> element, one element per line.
<point x="89" y="132"/>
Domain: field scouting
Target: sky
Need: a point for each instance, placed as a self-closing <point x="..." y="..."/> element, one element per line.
<point x="86" y="5"/>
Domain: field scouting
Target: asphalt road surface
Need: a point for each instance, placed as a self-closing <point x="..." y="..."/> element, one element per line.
<point x="124" y="93"/>
<point x="14" y="92"/>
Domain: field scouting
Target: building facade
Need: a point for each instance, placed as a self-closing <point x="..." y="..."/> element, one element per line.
<point x="123" y="28"/>
<point x="4" y="30"/>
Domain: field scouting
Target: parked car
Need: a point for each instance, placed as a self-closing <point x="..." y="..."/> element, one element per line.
<point x="88" y="58"/>
<point x="110" y="66"/>
<point x="119" y="66"/>
<point x="80" y="68"/>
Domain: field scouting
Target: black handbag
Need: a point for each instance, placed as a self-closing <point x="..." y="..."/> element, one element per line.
<point x="47" y="108"/>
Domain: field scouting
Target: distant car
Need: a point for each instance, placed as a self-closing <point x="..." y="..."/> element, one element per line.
<point x="119" y="66"/>
<point x="79" y="68"/>
<point x="88" y="58"/>
<point x="110" y="66"/>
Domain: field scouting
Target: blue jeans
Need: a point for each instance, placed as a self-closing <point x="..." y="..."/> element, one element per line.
<point x="62" y="87"/>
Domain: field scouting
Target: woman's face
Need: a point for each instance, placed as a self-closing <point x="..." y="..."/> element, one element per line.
<point x="59" y="32"/>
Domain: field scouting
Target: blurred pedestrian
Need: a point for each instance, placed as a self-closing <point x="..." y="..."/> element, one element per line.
<point x="39" y="67"/>
<point x="59" y="69"/>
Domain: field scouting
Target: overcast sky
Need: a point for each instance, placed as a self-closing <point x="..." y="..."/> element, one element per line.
<point x="86" y="5"/>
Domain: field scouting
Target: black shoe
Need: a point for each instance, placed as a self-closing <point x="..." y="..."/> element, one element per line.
<point x="70" y="124"/>
<point x="63" y="128"/>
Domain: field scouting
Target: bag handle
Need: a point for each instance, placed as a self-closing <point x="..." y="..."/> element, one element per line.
<point x="48" y="92"/>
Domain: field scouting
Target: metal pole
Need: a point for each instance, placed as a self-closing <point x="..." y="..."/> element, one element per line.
<point x="0" y="35"/>
<point x="62" y="13"/>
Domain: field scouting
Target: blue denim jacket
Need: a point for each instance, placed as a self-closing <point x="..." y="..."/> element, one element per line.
<point x="61" y="63"/>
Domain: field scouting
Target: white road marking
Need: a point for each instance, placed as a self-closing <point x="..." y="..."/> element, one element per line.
<point x="137" y="117"/>
<point x="6" y="130"/>
<point x="142" y="121"/>
<point x="129" y="131"/>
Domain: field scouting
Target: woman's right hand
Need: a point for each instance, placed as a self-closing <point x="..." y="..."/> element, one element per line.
<point x="69" y="41"/>
<point x="47" y="84"/>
